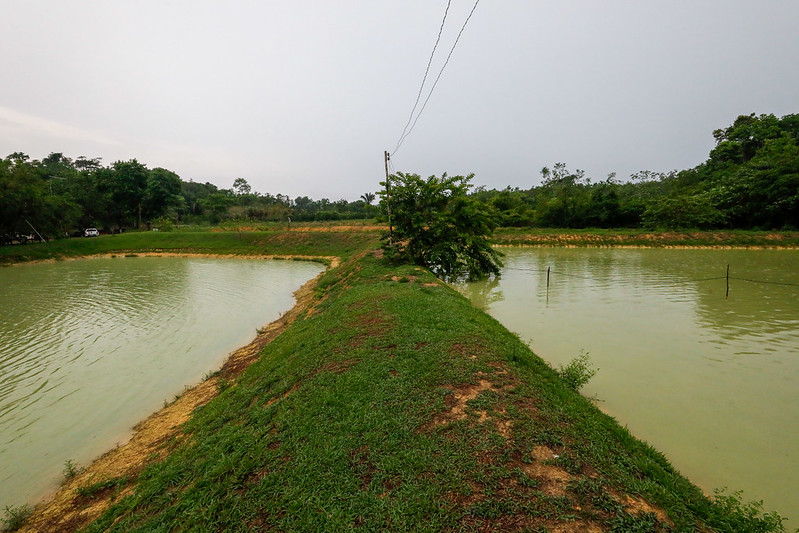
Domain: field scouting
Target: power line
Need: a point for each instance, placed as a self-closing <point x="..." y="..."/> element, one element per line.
<point x="440" y="72"/>
<point x="424" y="79"/>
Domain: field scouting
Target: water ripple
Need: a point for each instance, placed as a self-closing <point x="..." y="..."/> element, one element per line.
<point x="87" y="348"/>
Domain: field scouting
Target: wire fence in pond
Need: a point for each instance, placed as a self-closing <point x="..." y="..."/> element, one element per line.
<point x="553" y="272"/>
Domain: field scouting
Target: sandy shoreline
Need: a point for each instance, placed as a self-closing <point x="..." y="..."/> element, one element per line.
<point x="153" y="438"/>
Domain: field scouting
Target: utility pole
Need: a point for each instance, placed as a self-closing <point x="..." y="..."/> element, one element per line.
<point x="386" y="157"/>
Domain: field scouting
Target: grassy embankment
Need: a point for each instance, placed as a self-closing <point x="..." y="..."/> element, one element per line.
<point x="616" y="238"/>
<point x="393" y="404"/>
<point x="274" y="243"/>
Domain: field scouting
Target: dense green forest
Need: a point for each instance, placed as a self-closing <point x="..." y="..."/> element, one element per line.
<point x="749" y="181"/>
<point x="59" y="196"/>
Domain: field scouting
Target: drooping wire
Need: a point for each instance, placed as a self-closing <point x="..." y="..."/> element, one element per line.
<point x="696" y="280"/>
<point x="440" y="72"/>
<point x="424" y="78"/>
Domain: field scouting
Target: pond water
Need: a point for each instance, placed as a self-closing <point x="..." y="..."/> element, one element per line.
<point x="90" y="347"/>
<point x="709" y="378"/>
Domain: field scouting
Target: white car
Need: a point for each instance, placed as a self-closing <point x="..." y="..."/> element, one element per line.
<point x="91" y="232"/>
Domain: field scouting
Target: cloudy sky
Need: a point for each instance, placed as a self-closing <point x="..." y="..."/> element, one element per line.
<point x="301" y="97"/>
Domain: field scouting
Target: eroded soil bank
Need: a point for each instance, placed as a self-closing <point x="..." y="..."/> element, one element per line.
<point x="642" y="239"/>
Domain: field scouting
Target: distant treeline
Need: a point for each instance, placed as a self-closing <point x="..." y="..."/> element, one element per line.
<point x="59" y="196"/>
<point x="749" y="181"/>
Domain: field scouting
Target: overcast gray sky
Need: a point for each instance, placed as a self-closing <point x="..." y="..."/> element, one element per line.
<point x="301" y="97"/>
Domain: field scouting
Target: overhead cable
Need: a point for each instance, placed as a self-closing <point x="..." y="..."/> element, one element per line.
<point x="424" y="79"/>
<point x="440" y="72"/>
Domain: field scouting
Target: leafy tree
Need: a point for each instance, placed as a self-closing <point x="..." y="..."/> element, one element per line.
<point x="27" y="201"/>
<point x="217" y="204"/>
<point x="682" y="212"/>
<point x="193" y="194"/>
<point x="741" y="141"/>
<point x="241" y="187"/>
<point x="161" y="194"/>
<point x="564" y="198"/>
<point x="128" y="185"/>
<point x="604" y="210"/>
<point x="512" y="208"/>
<point x="438" y="225"/>
<point x="84" y="163"/>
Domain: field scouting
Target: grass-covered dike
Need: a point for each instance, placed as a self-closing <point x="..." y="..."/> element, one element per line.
<point x="390" y="404"/>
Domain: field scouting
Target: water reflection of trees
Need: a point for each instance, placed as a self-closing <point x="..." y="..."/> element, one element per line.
<point x="483" y="293"/>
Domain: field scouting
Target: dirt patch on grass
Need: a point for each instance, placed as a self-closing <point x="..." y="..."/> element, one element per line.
<point x="510" y="489"/>
<point x="553" y="478"/>
<point x="339" y="367"/>
<point x="638" y="506"/>
<point x="370" y="325"/>
<point x="467" y="349"/>
<point x="152" y="438"/>
<point x="456" y="401"/>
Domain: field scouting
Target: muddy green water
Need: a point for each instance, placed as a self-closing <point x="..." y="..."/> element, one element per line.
<point x="712" y="381"/>
<point x="90" y="347"/>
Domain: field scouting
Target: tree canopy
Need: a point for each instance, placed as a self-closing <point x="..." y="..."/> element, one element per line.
<point x="749" y="181"/>
<point x="435" y="223"/>
<point x="58" y="196"/>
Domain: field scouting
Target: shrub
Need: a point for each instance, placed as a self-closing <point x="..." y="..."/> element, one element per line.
<point x="578" y="372"/>
<point x="15" y="517"/>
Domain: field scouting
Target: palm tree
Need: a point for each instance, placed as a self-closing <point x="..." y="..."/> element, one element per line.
<point x="368" y="197"/>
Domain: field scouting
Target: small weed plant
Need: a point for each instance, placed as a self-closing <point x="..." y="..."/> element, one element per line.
<point x="15" y="517"/>
<point x="71" y="469"/>
<point x="578" y="372"/>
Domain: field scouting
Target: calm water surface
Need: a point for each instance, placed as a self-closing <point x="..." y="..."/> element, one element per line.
<point x="90" y="347"/>
<point x="712" y="381"/>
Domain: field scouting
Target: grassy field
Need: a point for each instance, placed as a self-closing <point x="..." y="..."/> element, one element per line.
<point x="392" y="404"/>
<point x="277" y="242"/>
<point x="343" y="238"/>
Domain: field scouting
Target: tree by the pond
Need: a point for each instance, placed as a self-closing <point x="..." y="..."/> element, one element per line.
<point x="437" y="224"/>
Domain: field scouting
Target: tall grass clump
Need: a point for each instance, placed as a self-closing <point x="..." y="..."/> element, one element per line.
<point x="578" y="371"/>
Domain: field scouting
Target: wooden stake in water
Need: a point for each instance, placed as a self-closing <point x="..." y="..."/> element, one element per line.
<point x="548" y="284"/>
<point x="727" y="294"/>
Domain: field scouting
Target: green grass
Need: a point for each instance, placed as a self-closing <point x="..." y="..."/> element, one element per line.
<point x="317" y="243"/>
<point x="348" y="422"/>
<point x="108" y="485"/>
<point x="275" y="240"/>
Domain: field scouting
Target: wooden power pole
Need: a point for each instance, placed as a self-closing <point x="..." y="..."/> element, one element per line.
<point x="386" y="157"/>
